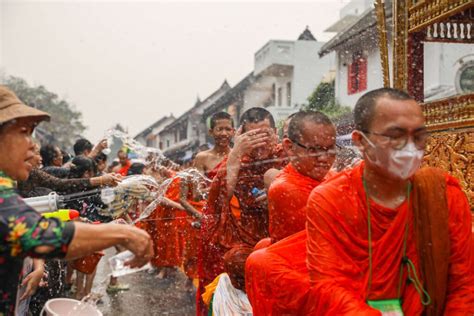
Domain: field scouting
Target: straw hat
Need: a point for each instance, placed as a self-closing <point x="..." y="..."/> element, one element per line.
<point x="12" y="108"/>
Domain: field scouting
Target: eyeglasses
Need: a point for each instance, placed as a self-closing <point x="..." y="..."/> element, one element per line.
<point x="400" y="141"/>
<point x="318" y="150"/>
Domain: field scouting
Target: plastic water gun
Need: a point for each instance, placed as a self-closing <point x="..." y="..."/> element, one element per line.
<point x="64" y="215"/>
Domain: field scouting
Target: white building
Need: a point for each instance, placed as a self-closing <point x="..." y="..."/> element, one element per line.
<point x="182" y="138"/>
<point x="150" y="136"/>
<point x="286" y="73"/>
<point x="358" y="65"/>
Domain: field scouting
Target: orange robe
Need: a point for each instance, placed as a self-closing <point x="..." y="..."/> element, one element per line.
<point x="213" y="173"/>
<point x="338" y="255"/>
<point x="192" y="240"/>
<point x="276" y="277"/>
<point x="123" y="171"/>
<point x="168" y="225"/>
<point x="269" y="270"/>
<point x="287" y="197"/>
<point x="221" y="229"/>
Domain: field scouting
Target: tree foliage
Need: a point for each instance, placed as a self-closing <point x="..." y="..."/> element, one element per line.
<point x="323" y="99"/>
<point x="66" y="122"/>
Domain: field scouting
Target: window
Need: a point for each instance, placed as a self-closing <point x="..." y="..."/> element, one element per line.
<point x="465" y="78"/>
<point x="161" y="145"/>
<point x="183" y="131"/>
<point x="357" y="74"/>
<point x="273" y="94"/>
<point x="279" y="96"/>
<point x="288" y="94"/>
<point x="167" y="143"/>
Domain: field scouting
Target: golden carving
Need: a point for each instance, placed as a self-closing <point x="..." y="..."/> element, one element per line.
<point x="400" y="36"/>
<point x="383" y="43"/>
<point x="453" y="151"/>
<point x="453" y="112"/>
<point x="426" y="12"/>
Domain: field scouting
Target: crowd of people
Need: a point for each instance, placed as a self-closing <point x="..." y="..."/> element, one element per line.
<point x="259" y="224"/>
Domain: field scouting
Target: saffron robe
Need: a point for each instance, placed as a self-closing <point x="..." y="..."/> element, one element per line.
<point x="287" y="197"/>
<point x="222" y="230"/>
<point x="276" y="277"/>
<point x="166" y="233"/>
<point x="213" y="173"/>
<point x="191" y="241"/>
<point x="338" y="258"/>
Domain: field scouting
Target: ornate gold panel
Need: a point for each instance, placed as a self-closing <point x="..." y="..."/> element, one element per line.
<point x="383" y="42"/>
<point x="426" y="12"/>
<point x="453" y="112"/>
<point x="400" y="36"/>
<point x="453" y="151"/>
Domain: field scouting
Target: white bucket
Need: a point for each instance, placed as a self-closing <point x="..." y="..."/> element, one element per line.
<point x="69" y="307"/>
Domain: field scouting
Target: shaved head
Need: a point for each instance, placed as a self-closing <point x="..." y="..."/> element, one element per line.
<point x="365" y="108"/>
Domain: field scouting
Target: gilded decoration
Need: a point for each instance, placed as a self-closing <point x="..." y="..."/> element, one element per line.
<point x="400" y="36"/>
<point x="453" y="112"/>
<point x="383" y="42"/>
<point x="423" y="13"/>
<point x="453" y="151"/>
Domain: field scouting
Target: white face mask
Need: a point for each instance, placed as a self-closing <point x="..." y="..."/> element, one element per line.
<point x="402" y="163"/>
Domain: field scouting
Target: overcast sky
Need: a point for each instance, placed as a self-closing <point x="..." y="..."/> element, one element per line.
<point x="132" y="62"/>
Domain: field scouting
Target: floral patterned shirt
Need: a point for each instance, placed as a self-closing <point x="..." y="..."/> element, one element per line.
<point x="22" y="229"/>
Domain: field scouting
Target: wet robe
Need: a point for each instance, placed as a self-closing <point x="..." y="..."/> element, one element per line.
<point x="191" y="240"/>
<point x="276" y="277"/>
<point x="222" y="230"/>
<point x="213" y="173"/>
<point x="338" y="250"/>
<point x="287" y="197"/>
<point x="269" y="270"/>
<point x="166" y="231"/>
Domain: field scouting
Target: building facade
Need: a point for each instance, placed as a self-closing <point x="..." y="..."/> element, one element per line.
<point x="150" y="136"/>
<point x="183" y="137"/>
<point x="358" y="61"/>
<point x="286" y="73"/>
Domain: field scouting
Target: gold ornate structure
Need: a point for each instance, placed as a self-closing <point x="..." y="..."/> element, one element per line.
<point x="451" y="120"/>
<point x="383" y="42"/>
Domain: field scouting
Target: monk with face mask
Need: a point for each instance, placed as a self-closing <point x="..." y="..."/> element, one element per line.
<point x="386" y="236"/>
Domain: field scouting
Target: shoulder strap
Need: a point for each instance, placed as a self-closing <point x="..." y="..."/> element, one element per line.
<point x="430" y="208"/>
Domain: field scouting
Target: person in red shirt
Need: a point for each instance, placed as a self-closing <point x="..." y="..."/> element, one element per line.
<point x="385" y="236"/>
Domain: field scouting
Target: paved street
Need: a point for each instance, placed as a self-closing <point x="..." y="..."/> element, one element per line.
<point x="147" y="295"/>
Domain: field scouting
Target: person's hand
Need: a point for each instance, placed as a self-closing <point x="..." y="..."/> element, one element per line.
<point x="261" y="198"/>
<point x="101" y="145"/>
<point x="110" y="179"/>
<point x="141" y="245"/>
<point x="245" y="143"/>
<point x="32" y="281"/>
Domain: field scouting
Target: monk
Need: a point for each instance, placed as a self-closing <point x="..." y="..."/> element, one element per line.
<point x="311" y="147"/>
<point x="124" y="163"/>
<point x="241" y="175"/>
<point x="272" y="173"/>
<point x="165" y="229"/>
<point x="191" y="199"/>
<point x="222" y="131"/>
<point x="385" y="231"/>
